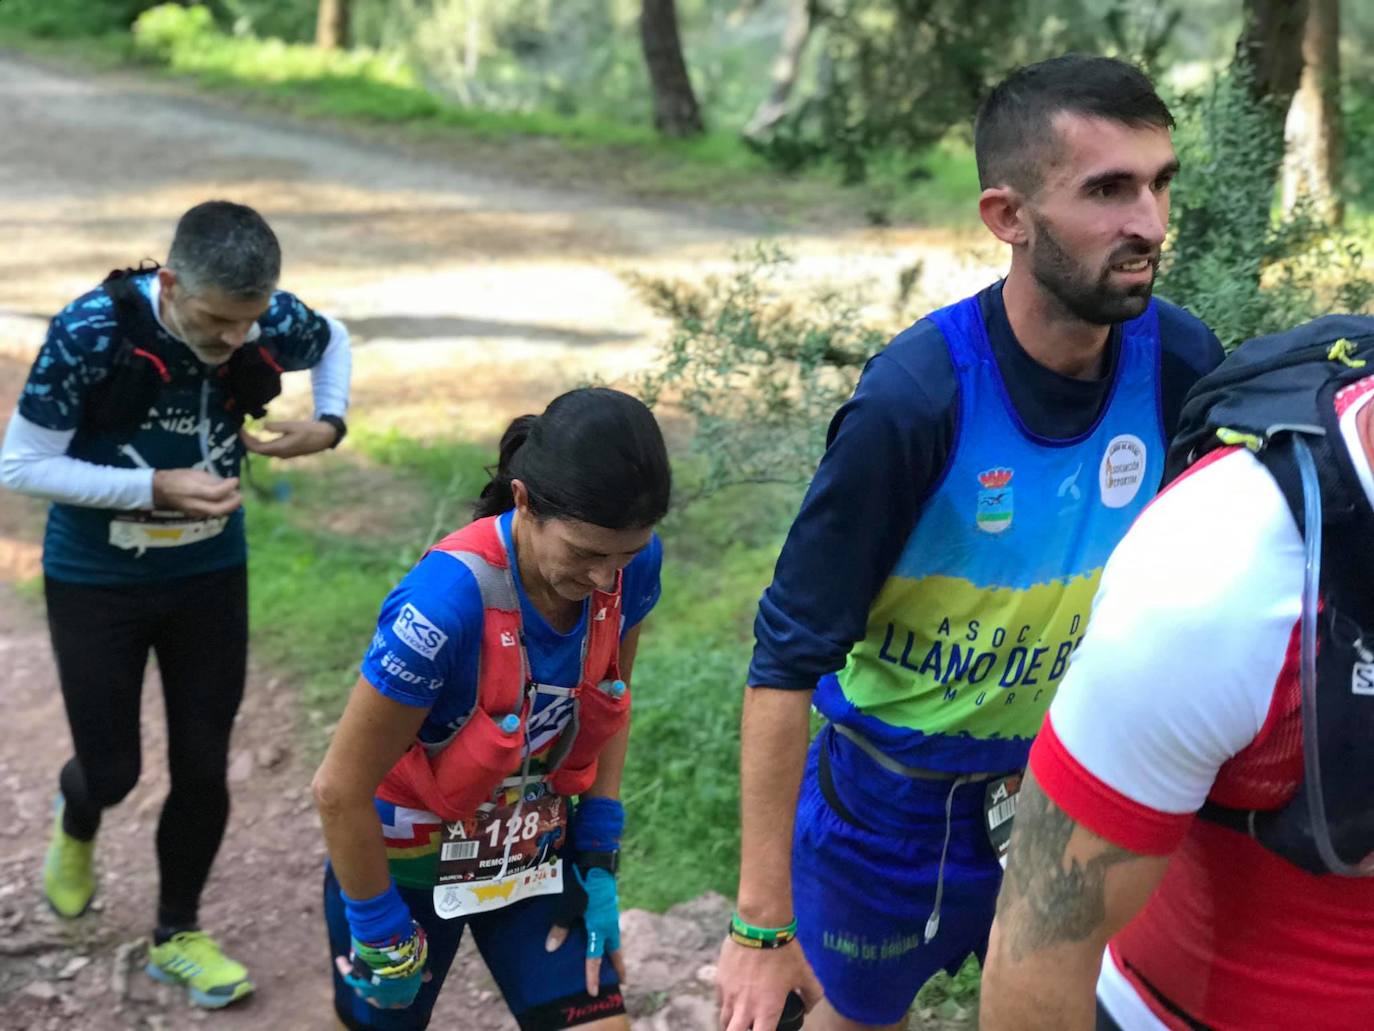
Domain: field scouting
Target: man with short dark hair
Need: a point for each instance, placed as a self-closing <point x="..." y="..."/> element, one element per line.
<point x="131" y="423"/>
<point x="941" y="569"/>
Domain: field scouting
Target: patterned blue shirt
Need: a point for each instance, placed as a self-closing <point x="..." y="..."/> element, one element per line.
<point x="187" y="427"/>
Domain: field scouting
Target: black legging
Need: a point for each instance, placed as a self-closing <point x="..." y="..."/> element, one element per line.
<point x="198" y="628"/>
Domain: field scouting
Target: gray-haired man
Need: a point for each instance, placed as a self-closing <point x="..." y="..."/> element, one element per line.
<point x="131" y="424"/>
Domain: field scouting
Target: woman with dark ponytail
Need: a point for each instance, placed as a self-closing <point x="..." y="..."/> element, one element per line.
<point x="474" y="778"/>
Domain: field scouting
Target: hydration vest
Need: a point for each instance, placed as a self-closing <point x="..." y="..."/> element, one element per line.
<point x="1277" y="396"/>
<point x="454" y="777"/>
<point x="139" y="369"/>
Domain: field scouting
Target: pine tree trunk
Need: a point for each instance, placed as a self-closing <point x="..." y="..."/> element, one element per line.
<point x="785" y="69"/>
<point x="1270" y="51"/>
<point x="1271" y="44"/>
<point x="1314" y="132"/>
<point x="331" y="25"/>
<point x="675" y="104"/>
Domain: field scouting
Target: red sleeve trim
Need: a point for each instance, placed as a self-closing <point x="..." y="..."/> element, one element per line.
<point x="1102" y="809"/>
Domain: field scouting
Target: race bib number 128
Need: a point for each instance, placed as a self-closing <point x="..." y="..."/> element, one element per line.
<point x="501" y="858"/>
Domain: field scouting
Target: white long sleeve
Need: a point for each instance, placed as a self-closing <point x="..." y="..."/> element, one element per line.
<point x="34" y="461"/>
<point x="329" y="378"/>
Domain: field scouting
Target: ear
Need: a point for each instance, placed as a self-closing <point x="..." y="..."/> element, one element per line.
<point x="167" y="281"/>
<point x="1002" y="210"/>
<point x="521" y="494"/>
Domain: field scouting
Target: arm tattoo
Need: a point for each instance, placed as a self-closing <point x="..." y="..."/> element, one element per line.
<point x="1048" y="899"/>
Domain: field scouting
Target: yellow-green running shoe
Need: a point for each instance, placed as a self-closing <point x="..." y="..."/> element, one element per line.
<point x="194" y="959"/>
<point x="68" y="870"/>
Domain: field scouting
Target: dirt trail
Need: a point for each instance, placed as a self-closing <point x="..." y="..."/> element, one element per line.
<point x="470" y="298"/>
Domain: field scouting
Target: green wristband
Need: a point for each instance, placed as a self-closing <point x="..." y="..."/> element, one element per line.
<point x="762" y="934"/>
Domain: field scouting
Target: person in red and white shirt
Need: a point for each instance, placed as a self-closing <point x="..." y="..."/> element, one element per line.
<point x="1184" y="690"/>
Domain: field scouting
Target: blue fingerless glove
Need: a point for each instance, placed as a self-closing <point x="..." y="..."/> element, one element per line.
<point x="387" y="950"/>
<point x="603" y="910"/>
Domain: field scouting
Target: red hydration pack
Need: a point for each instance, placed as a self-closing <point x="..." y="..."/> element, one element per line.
<point x="452" y="778"/>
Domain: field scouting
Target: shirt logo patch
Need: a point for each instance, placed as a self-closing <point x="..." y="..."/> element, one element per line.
<point x="1122" y="470"/>
<point x="994" y="500"/>
<point x="415" y="629"/>
<point x="1362" y="675"/>
<point x="1362" y="679"/>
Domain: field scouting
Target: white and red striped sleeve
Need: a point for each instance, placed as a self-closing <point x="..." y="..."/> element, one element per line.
<point x="1176" y="674"/>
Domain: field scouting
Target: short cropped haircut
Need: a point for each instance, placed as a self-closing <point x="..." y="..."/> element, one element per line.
<point x="228" y="247"/>
<point x="1014" y="139"/>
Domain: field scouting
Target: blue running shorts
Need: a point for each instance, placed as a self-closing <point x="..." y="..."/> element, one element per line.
<point x="864" y="894"/>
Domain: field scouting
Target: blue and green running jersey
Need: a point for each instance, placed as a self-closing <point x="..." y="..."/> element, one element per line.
<point x="974" y="626"/>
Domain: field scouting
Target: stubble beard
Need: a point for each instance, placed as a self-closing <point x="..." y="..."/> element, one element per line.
<point x="1095" y="302"/>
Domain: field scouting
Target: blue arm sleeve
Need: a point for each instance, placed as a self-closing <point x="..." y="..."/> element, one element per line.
<point x="296" y="334"/>
<point x="887" y="448"/>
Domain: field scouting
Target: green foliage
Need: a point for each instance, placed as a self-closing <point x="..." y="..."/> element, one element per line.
<point x="759" y="366"/>
<point x="1359" y="144"/>
<point x="681" y="777"/>
<point x="354" y="83"/>
<point x="71" y="19"/>
<point x="1237" y="265"/>
<point x="164" y="30"/>
<point x="582" y="58"/>
<point x="292" y="21"/>
<point x="314" y="601"/>
<point x="896" y="75"/>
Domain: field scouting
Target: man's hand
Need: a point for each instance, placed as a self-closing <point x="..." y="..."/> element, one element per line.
<point x="297" y="437"/>
<point x="752" y="984"/>
<point x="195" y="492"/>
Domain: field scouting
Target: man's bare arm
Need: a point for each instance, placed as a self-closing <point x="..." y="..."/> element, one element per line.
<point x="1066" y="892"/>
<point x="752" y="984"/>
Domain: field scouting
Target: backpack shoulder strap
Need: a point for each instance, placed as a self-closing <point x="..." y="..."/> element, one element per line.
<point x="137" y="326"/>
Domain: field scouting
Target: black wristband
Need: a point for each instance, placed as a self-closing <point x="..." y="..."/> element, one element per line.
<point x="340" y="428"/>
<point x="608" y="861"/>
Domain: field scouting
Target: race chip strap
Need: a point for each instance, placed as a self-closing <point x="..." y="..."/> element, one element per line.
<point x="999" y="809"/>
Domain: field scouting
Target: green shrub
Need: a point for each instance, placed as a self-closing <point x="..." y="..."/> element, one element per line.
<point x="71" y="19"/>
<point x="162" y="31"/>
<point x="1359" y="145"/>
<point x="1234" y="262"/>
<point x="759" y="365"/>
<point x="355" y="83"/>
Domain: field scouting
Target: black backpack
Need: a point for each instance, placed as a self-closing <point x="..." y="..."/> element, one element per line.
<point x="1276" y="395"/>
<point x="139" y="370"/>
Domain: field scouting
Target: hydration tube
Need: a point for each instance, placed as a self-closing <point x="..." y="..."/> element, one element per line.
<point x="1307" y="661"/>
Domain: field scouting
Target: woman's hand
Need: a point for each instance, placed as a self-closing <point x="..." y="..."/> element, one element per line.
<point x="592" y="898"/>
